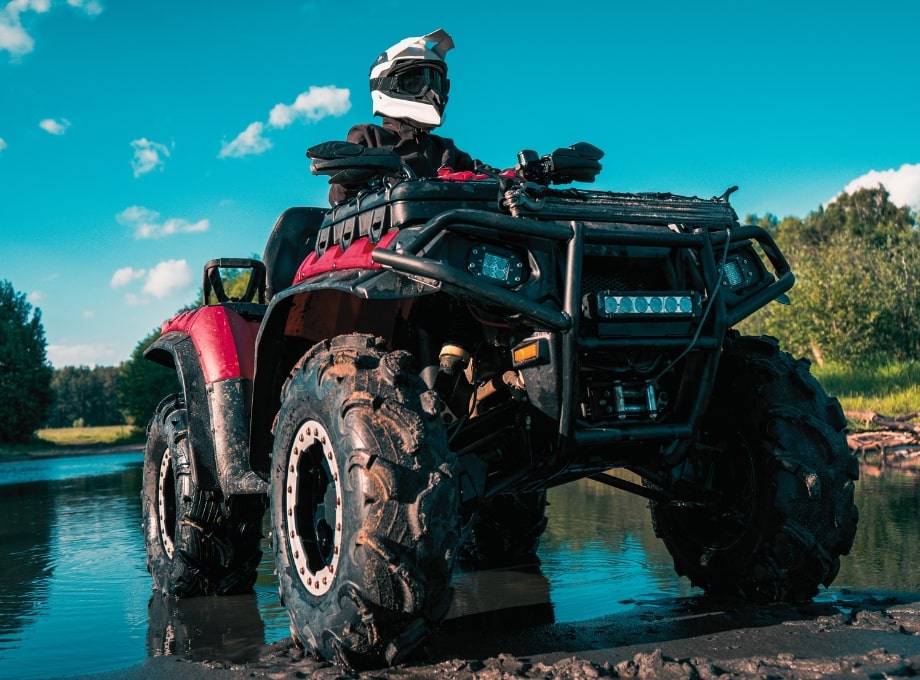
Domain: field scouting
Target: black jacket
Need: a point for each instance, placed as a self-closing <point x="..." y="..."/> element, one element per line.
<point x="422" y="151"/>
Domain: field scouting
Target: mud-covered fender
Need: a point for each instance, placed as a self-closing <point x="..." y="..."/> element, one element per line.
<point x="212" y="349"/>
<point x="353" y="295"/>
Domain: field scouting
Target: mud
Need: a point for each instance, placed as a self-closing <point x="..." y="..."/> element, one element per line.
<point x="849" y="634"/>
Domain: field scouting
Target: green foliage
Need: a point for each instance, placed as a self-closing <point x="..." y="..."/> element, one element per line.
<point x="143" y="383"/>
<point x="25" y="374"/>
<point x="857" y="292"/>
<point x="102" y="436"/>
<point x="85" y="395"/>
<point x="892" y="389"/>
<point x="235" y="282"/>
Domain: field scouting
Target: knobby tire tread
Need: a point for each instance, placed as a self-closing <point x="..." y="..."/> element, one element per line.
<point x="215" y="553"/>
<point x="400" y="507"/>
<point x="805" y="517"/>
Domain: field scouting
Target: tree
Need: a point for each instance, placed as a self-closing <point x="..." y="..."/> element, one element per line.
<point x="857" y="292"/>
<point x="769" y="221"/>
<point x="85" y="395"/>
<point x="25" y="374"/>
<point x="143" y="383"/>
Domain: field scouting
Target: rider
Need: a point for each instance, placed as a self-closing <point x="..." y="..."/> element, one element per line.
<point x="409" y="88"/>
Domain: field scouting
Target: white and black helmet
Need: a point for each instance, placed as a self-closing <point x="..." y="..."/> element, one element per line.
<point x="409" y="80"/>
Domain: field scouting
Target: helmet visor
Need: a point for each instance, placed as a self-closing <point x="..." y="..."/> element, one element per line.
<point x="417" y="80"/>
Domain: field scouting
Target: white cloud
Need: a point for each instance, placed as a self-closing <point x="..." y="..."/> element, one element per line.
<point x="3" y="144"/>
<point x="35" y="297"/>
<point x="88" y="314"/>
<point x="133" y="300"/>
<point x="250" y="141"/>
<point x="146" y="223"/>
<point x="310" y="106"/>
<point x="148" y="156"/>
<point x="82" y="355"/>
<point x="40" y="6"/>
<point x="54" y="127"/>
<point x="163" y="280"/>
<point x="167" y="278"/>
<point x="90" y="7"/>
<point x="14" y="38"/>
<point x="903" y="184"/>
<point x="122" y="277"/>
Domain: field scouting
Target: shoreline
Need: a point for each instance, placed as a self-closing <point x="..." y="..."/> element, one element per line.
<point x="860" y="634"/>
<point x="65" y="451"/>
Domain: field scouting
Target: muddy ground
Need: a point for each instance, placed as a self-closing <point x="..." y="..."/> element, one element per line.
<point x="849" y="634"/>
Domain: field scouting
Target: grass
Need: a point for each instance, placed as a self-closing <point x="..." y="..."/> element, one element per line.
<point x="67" y="439"/>
<point x="891" y="389"/>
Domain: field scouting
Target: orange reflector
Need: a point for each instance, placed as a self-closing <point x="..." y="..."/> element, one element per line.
<point x="525" y="353"/>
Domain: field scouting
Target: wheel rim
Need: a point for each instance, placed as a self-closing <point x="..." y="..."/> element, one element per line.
<point x="728" y="490"/>
<point x="166" y="504"/>
<point x="313" y="508"/>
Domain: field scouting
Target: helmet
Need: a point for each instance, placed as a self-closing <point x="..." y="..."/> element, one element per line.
<point x="409" y="80"/>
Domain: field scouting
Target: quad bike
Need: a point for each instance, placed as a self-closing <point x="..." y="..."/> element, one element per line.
<point x="411" y="370"/>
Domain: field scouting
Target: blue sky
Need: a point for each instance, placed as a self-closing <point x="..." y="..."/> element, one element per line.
<point x="139" y="139"/>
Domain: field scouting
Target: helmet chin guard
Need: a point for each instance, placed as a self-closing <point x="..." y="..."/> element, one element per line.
<point x="421" y="114"/>
<point x="409" y="80"/>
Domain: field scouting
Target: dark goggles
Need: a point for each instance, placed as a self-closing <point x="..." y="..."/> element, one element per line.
<point x="415" y="81"/>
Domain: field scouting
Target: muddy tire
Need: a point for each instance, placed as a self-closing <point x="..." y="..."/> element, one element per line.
<point x="194" y="545"/>
<point x="365" y="507"/>
<point x="506" y="531"/>
<point x="769" y="482"/>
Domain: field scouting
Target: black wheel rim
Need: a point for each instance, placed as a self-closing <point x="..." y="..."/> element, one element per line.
<point x="723" y="490"/>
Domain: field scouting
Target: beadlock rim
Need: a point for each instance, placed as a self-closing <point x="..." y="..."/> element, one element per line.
<point x="313" y="508"/>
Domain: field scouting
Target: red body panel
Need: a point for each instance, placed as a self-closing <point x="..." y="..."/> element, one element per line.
<point x="225" y="341"/>
<point x="357" y="256"/>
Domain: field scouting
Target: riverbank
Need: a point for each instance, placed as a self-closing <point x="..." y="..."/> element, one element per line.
<point x="76" y="441"/>
<point x="64" y="451"/>
<point x="844" y="634"/>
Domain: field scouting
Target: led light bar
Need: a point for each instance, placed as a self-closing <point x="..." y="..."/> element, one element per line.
<point x="618" y="305"/>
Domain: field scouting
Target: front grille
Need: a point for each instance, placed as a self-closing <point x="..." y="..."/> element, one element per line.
<point x="618" y="275"/>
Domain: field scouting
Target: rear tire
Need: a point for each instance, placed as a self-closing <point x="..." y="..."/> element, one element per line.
<point x="770" y="482"/>
<point x="507" y="531"/>
<point x="194" y="545"/>
<point x="365" y="507"/>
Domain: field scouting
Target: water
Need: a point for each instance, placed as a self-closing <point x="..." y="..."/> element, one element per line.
<point x="75" y="596"/>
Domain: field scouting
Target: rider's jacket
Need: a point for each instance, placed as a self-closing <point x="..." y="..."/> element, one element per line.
<point x="422" y="151"/>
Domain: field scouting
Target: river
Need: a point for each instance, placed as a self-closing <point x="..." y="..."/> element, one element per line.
<point x="75" y="596"/>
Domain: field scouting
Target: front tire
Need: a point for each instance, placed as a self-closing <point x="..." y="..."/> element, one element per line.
<point x="364" y="504"/>
<point x="768" y="487"/>
<point x="195" y="545"/>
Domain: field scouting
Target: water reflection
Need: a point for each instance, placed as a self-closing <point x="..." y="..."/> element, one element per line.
<point x="220" y="628"/>
<point x="72" y="592"/>
<point x="75" y="596"/>
<point x="888" y="541"/>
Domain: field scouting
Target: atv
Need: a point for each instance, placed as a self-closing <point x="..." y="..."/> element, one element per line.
<point x="404" y="375"/>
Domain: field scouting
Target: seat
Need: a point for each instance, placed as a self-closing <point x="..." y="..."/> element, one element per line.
<point x="289" y="244"/>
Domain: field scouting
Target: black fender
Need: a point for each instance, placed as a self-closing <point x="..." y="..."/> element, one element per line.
<point x="177" y="351"/>
<point x="218" y="402"/>
<point x="342" y="301"/>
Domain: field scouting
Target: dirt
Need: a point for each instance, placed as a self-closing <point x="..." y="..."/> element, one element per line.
<point x="845" y="634"/>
